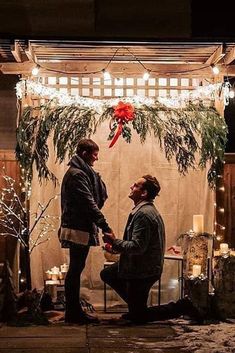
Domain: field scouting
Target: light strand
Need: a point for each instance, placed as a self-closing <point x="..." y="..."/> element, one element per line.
<point x="208" y="92"/>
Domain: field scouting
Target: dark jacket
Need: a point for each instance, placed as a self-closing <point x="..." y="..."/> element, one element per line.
<point x="83" y="194"/>
<point x="143" y="245"/>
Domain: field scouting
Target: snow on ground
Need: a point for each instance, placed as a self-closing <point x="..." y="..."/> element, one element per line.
<point x="212" y="338"/>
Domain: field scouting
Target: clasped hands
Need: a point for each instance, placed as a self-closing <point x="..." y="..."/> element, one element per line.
<point x="108" y="239"/>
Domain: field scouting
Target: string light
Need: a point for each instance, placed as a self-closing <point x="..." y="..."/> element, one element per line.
<point x="219" y="210"/>
<point x="35" y="70"/>
<point x="215" y="69"/>
<point x="146" y="75"/>
<point x="231" y="94"/>
<point x="14" y="219"/>
<point x="106" y="75"/>
<point x="24" y="87"/>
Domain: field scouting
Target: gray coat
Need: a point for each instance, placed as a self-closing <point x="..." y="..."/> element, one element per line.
<point x="143" y="245"/>
<point x="83" y="194"/>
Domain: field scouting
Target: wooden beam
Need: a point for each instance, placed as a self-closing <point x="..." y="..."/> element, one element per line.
<point x="80" y="68"/>
<point x="216" y="56"/>
<point x="30" y="54"/>
<point x="230" y="56"/>
<point x="15" y="50"/>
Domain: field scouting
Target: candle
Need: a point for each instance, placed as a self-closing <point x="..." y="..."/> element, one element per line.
<point x="64" y="268"/>
<point x="55" y="270"/>
<point x="48" y="274"/>
<point x="196" y="270"/>
<point x="198" y="223"/>
<point x="223" y="248"/>
<point x="54" y="276"/>
<point x="61" y="275"/>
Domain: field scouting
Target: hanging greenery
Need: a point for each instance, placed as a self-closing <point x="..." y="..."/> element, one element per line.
<point x="180" y="132"/>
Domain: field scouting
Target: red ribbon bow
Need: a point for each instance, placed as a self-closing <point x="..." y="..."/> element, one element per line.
<point x="123" y="112"/>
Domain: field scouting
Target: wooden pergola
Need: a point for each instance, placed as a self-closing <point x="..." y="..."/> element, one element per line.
<point x="124" y="59"/>
<point x="192" y="59"/>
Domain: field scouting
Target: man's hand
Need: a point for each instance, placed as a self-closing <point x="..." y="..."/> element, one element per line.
<point x="109" y="237"/>
<point x="108" y="247"/>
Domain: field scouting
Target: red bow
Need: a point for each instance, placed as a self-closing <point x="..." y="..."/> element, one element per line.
<point x="123" y="113"/>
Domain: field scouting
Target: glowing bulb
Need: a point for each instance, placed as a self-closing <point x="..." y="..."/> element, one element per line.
<point x="146" y="76"/>
<point x="35" y="70"/>
<point x="106" y="75"/>
<point x="215" y="69"/>
<point x="231" y="94"/>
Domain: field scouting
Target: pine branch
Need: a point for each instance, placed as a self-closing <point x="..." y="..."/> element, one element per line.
<point x="176" y="129"/>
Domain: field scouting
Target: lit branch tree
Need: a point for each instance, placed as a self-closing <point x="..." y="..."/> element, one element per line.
<point x="15" y="221"/>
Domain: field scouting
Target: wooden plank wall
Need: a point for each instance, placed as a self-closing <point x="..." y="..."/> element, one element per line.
<point x="9" y="247"/>
<point x="229" y="198"/>
<point x="225" y="203"/>
<point x="8" y="112"/>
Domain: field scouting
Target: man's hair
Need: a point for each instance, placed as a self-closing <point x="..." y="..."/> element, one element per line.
<point x="151" y="185"/>
<point x="87" y="145"/>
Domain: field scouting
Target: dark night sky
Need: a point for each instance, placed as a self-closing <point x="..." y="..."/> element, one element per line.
<point x="112" y="19"/>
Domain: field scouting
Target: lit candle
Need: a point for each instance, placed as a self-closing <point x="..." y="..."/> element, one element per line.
<point x="223" y="248"/>
<point x="48" y="274"/>
<point x="54" y="276"/>
<point x="198" y="223"/>
<point x="61" y="275"/>
<point x="196" y="270"/>
<point x="55" y="270"/>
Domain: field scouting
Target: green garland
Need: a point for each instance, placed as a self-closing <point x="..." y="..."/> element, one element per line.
<point x="176" y="130"/>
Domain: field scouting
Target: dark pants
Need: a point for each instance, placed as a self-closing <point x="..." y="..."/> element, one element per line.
<point x="133" y="291"/>
<point x="78" y="255"/>
<point x="173" y="310"/>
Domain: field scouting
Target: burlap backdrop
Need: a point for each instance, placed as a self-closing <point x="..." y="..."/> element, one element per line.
<point x="120" y="166"/>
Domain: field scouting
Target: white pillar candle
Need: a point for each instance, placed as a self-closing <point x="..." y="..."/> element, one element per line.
<point x="55" y="270"/>
<point x="64" y="268"/>
<point x="223" y="248"/>
<point x="198" y="223"/>
<point x="196" y="270"/>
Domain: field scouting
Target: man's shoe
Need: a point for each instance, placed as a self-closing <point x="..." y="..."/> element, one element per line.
<point x="186" y="307"/>
<point x="83" y="319"/>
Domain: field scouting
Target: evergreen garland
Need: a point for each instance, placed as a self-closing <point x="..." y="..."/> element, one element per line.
<point x="176" y="130"/>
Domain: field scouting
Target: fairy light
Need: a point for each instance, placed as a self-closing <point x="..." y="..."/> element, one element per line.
<point x="106" y="75"/>
<point x="231" y="94"/>
<point x="215" y="69"/>
<point x="219" y="226"/>
<point x="35" y="70"/>
<point x="209" y="92"/>
<point x="14" y="219"/>
<point x="146" y="75"/>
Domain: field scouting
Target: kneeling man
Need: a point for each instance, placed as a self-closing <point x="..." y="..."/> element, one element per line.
<point x="142" y="250"/>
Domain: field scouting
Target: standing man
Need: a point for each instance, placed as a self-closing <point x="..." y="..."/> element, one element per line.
<point x="83" y="194"/>
<point x="142" y="250"/>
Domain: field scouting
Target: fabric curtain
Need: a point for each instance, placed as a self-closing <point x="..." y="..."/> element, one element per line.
<point x="180" y="198"/>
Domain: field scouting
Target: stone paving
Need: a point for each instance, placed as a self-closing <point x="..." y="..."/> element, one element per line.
<point x="110" y="336"/>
